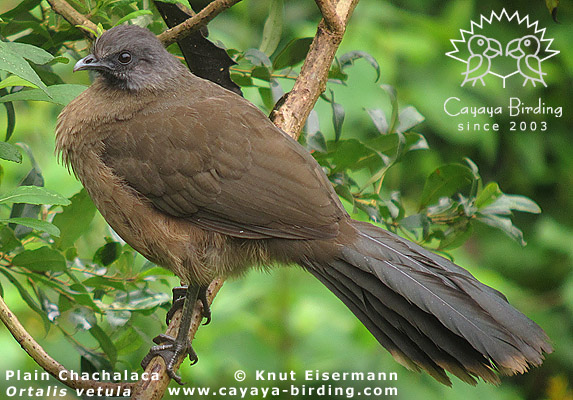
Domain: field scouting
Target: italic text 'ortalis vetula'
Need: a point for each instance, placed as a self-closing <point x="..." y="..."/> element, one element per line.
<point x="199" y="181"/>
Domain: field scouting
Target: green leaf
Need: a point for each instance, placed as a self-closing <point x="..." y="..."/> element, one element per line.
<point x="379" y="119"/>
<point x="16" y="64"/>
<point x="101" y="282"/>
<point x="52" y="311"/>
<point x="83" y="297"/>
<point x="336" y="74"/>
<point x="293" y="53"/>
<point x="273" y="28"/>
<point x="91" y="362"/>
<point x="182" y="2"/>
<point x="504" y="224"/>
<point x="31" y="53"/>
<point x="21" y="8"/>
<point x="133" y="15"/>
<point x="42" y="259"/>
<point x="389" y="144"/>
<point x="28" y="299"/>
<point x="415" y="221"/>
<point x="262" y="73"/>
<point x="445" y="181"/>
<point x="351" y="154"/>
<point x="34" y="195"/>
<point x="107" y="254"/>
<point x="507" y="202"/>
<point x="33" y="178"/>
<point x="105" y="342"/>
<point x="337" y="118"/>
<point x="391" y="91"/>
<point x="258" y="58"/>
<point x="348" y="59"/>
<point x="143" y="299"/>
<point x="37" y="224"/>
<point x="75" y="219"/>
<point x="10" y="118"/>
<point x="58" y="94"/>
<point x="488" y="195"/>
<point x="409" y="118"/>
<point x="314" y="138"/>
<point x="266" y="97"/>
<point x="457" y="238"/>
<point x="10" y="152"/>
<point x="8" y="241"/>
<point x="241" y="79"/>
<point x="14" y="80"/>
<point x="129" y="342"/>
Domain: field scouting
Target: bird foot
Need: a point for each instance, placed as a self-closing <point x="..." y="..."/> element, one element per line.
<point x="170" y="350"/>
<point x="179" y="300"/>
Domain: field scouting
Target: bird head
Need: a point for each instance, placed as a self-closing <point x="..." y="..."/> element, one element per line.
<point x="481" y="45"/>
<point x="516" y="48"/>
<point x="513" y="49"/>
<point x="131" y="58"/>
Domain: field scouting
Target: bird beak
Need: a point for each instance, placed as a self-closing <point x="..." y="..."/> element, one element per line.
<point x="513" y="49"/>
<point x="493" y="48"/>
<point x="90" y="62"/>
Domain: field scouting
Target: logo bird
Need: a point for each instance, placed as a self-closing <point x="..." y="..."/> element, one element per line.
<point x="528" y="65"/>
<point x="482" y="50"/>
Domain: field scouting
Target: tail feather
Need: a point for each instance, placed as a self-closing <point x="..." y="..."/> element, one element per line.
<point x="428" y="312"/>
<point x="412" y="347"/>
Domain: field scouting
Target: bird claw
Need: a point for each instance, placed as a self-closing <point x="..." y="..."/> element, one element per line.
<point x="170" y="350"/>
<point x="179" y="300"/>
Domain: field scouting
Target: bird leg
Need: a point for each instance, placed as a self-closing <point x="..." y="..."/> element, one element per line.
<point x="179" y="299"/>
<point x="171" y="349"/>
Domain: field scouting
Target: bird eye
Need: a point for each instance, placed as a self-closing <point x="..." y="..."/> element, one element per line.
<point x="481" y="42"/>
<point x="527" y="42"/>
<point x="124" y="57"/>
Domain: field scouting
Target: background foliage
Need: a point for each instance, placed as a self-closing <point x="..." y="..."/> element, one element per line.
<point x="392" y="153"/>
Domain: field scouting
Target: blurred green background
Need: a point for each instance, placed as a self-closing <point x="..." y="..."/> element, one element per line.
<point x="286" y="320"/>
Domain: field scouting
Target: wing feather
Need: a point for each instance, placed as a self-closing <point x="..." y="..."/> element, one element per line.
<point x="216" y="160"/>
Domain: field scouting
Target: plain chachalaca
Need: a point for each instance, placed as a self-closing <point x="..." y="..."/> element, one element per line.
<point x="200" y="181"/>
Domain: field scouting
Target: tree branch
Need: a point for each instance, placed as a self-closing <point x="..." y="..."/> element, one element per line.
<point x="295" y="106"/>
<point x="74" y="17"/>
<point x="202" y="18"/>
<point x="330" y="16"/>
<point x="44" y="360"/>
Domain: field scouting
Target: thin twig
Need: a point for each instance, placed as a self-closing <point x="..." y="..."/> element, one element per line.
<point x="202" y="18"/>
<point x="50" y="365"/>
<point x="75" y="18"/>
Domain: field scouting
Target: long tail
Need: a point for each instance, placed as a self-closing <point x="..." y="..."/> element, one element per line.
<point x="428" y="312"/>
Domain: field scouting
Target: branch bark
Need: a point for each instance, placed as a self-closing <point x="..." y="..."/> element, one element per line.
<point x="44" y="360"/>
<point x="168" y="37"/>
<point x="295" y="106"/>
<point x="197" y="21"/>
<point x="73" y="17"/>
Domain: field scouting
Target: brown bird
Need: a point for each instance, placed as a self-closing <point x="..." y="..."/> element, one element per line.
<point x="200" y="181"/>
